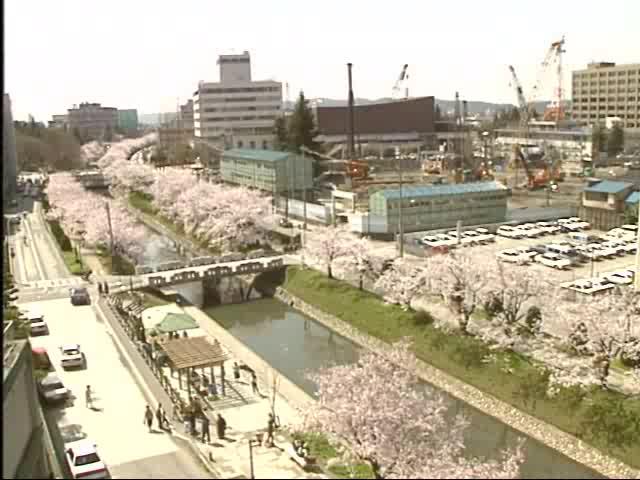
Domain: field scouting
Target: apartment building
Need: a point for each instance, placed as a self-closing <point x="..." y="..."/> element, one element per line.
<point x="237" y="110"/>
<point x="28" y="451"/>
<point x="186" y="116"/>
<point x="59" y="121"/>
<point x="92" y="120"/>
<point x="128" y="120"/>
<point x="605" y="89"/>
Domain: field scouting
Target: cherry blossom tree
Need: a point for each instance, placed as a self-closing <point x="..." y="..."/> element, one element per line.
<point x="461" y="280"/>
<point x="611" y="324"/>
<point x="326" y="246"/>
<point x="127" y="176"/>
<point x="386" y="418"/>
<point x="403" y="281"/>
<point x="358" y="259"/>
<point x="512" y="292"/>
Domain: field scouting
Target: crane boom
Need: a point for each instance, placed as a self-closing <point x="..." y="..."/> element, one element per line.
<point x="402" y="79"/>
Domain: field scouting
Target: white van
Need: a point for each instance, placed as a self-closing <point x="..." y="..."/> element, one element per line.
<point x="560" y="249"/>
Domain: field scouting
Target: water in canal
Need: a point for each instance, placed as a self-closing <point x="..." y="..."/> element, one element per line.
<point x="294" y="344"/>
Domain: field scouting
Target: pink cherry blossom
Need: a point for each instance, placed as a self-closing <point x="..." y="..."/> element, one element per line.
<point x="403" y="282"/>
<point x="384" y="417"/>
<point x="327" y="245"/>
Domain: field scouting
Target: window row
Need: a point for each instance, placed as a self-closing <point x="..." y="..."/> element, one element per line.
<point x="238" y="119"/>
<point x="242" y="109"/>
<point x="241" y="90"/>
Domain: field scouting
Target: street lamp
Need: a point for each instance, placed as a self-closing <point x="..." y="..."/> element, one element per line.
<point x="251" y="444"/>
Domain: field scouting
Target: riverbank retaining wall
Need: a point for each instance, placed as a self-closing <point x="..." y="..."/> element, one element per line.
<point x="549" y="435"/>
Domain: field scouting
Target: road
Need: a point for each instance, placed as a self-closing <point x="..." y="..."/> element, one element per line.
<point x="116" y="422"/>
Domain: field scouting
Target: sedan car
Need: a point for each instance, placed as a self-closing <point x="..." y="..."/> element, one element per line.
<point x="510" y="232"/>
<point x="620" y="277"/>
<point x="529" y="230"/>
<point x="490" y="237"/>
<point x="84" y="461"/>
<point x="37" y="324"/>
<point x="548" y="228"/>
<point x="52" y="389"/>
<point x="512" y="255"/>
<point x="72" y="356"/>
<point x="79" y="296"/>
<point x="553" y="260"/>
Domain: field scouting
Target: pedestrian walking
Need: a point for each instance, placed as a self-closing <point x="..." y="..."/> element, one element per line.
<point x="159" y="417"/>
<point x="221" y="426"/>
<point x="271" y="426"/>
<point x="148" y="418"/>
<point x="100" y="289"/>
<point x="254" y="383"/>
<point x="87" y="397"/>
<point x="106" y="288"/>
<point x="236" y="371"/>
<point x="205" y="429"/>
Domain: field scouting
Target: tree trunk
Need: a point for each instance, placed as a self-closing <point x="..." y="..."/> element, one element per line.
<point x="361" y="282"/>
<point x="329" y="271"/>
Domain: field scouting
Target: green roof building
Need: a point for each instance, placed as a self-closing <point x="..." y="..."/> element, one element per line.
<point x="267" y="170"/>
<point x="430" y="207"/>
<point x="128" y="120"/>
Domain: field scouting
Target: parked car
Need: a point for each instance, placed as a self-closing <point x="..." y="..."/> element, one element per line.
<point x="284" y="223"/>
<point x="588" y="254"/>
<point x="512" y="255"/>
<point x="490" y="237"/>
<point x="631" y="228"/>
<point x="620" y="234"/>
<point x="548" y="228"/>
<point x="619" y="247"/>
<point x="84" y="461"/>
<point x="528" y="252"/>
<point x="37" y="324"/>
<point x="553" y="260"/>
<point x="430" y="240"/>
<point x="591" y="286"/>
<point x="199" y="261"/>
<point x="80" y="296"/>
<point x="620" y="277"/>
<point x="473" y="237"/>
<point x="52" y="390"/>
<point x="606" y="252"/>
<point x="540" y="248"/>
<point x="232" y="257"/>
<point x="259" y="253"/>
<point x="71" y="356"/>
<point x="570" y="227"/>
<point x="529" y="230"/>
<point x="510" y="232"/>
<point x="631" y="247"/>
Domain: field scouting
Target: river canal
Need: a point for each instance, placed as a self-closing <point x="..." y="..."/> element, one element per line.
<point x="295" y="344"/>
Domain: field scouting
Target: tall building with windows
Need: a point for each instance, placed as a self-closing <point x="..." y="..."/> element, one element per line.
<point x="604" y="90"/>
<point x="237" y="109"/>
<point x="92" y="120"/>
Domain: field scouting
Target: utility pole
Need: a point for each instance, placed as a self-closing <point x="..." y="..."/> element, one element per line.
<point x="400" y="217"/>
<point x="637" y="285"/>
<point x="111" y="244"/>
<point x="304" y="195"/>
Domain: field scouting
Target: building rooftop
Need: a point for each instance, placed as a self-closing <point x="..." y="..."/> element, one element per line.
<point x="608" y="186"/>
<point x="261" y="155"/>
<point x="442" y="190"/>
<point x="633" y="198"/>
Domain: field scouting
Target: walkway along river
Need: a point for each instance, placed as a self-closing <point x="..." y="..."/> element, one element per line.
<point x="294" y="343"/>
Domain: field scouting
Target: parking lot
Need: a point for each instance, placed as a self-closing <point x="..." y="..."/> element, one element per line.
<point x="583" y="270"/>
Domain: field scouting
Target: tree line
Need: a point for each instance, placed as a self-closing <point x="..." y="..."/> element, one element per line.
<point x="38" y="147"/>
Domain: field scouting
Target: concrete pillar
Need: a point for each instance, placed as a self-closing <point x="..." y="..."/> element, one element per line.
<point x="222" y="378"/>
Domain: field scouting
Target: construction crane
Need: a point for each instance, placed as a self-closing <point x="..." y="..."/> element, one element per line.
<point x="522" y="101"/>
<point x="401" y="82"/>
<point x="356" y="170"/>
<point x="554" y="55"/>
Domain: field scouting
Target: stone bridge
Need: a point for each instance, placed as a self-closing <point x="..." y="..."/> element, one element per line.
<point x="205" y="272"/>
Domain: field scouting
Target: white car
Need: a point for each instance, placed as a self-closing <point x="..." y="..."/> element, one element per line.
<point x="84" y="461"/>
<point x="490" y="237"/>
<point x="588" y="253"/>
<point x="590" y="286"/>
<point x="37" y="324"/>
<point x="606" y="252"/>
<point x="510" y="232"/>
<point x="430" y="240"/>
<point x="620" y="277"/>
<point x="631" y="247"/>
<point x="527" y="252"/>
<point x="553" y="260"/>
<point x="631" y="228"/>
<point x="620" y="234"/>
<point x="548" y="228"/>
<point x="72" y="356"/>
<point x="582" y="225"/>
<point x="473" y="237"/>
<point x="619" y="247"/>
<point x="446" y="240"/>
<point x="529" y="230"/>
<point x="512" y="255"/>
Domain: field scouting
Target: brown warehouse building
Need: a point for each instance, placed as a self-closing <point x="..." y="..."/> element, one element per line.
<point x="400" y="122"/>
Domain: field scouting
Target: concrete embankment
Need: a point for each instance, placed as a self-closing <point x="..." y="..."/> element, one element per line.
<point x="549" y="435"/>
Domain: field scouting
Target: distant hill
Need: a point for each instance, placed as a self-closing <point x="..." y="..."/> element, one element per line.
<point x="474" y="107"/>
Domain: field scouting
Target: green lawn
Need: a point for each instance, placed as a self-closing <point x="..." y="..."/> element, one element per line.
<point x="455" y="354"/>
<point x="75" y="267"/>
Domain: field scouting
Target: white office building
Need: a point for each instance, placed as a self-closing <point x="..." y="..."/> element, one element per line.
<point x="237" y="109"/>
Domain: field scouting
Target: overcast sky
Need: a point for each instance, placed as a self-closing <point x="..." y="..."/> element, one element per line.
<point x="147" y="54"/>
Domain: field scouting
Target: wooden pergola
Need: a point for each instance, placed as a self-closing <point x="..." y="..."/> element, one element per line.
<point x="191" y="353"/>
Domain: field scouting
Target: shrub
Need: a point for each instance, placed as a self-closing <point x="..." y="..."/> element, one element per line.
<point x="493" y="306"/>
<point x="60" y="236"/>
<point x="470" y="353"/>
<point x="422" y="318"/>
<point x="610" y="420"/>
